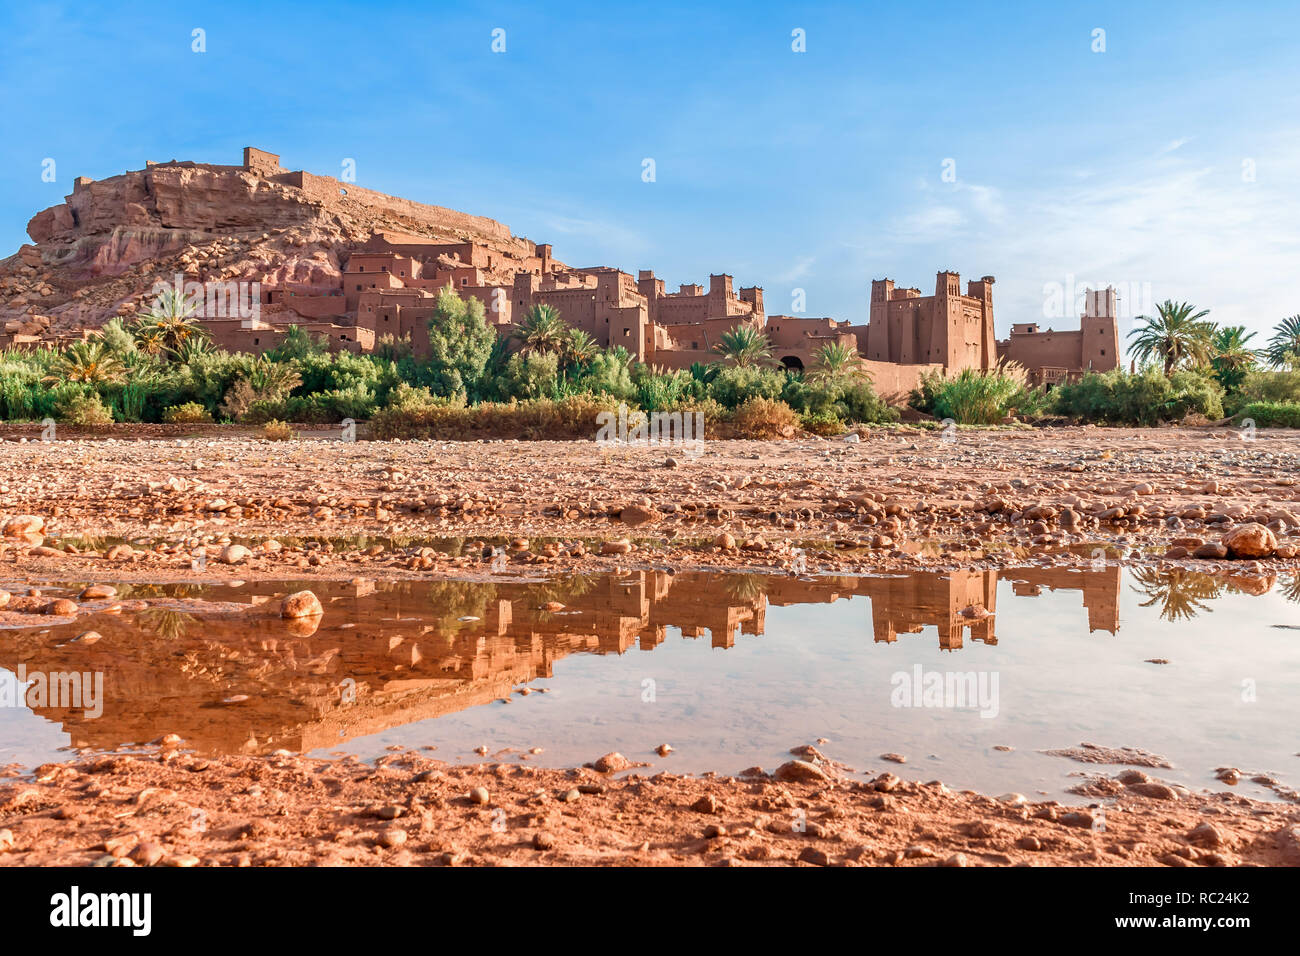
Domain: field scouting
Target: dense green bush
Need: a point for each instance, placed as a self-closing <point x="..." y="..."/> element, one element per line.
<point x="416" y="413"/>
<point x="736" y="384"/>
<point x="1271" y="414"/>
<point x="973" y="397"/>
<point x="83" y="409"/>
<point x="1141" y="398"/>
<point x="191" y="413"/>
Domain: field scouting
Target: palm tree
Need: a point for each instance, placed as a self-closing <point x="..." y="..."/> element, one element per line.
<point x="172" y="318"/>
<point x="1176" y="335"/>
<point x="272" y="379"/>
<point x="1232" y="357"/>
<point x="578" y="348"/>
<point x="150" y="340"/>
<point x="88" y="361"/>
<point x="194" y="347"/>
<point x="835" y="360"/>
<point x="744" y="345"/>
<point x="542" y="330"/>
<point x="1284" y="347"/>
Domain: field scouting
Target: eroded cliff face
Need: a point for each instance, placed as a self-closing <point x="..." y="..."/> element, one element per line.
<point x="98" y="254"/>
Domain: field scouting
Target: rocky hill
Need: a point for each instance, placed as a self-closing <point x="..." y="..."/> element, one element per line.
<point x="98" y="253"/>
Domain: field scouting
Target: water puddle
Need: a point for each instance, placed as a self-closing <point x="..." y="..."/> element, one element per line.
<point x="970" y="675"/>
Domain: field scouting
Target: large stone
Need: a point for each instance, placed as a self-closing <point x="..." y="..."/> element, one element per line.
<point x="801" y="771"/>
<point x="20" y="525"/>
<point x="301" y="604"/>
<point x="635" y="515"/>
<point x="235" y="554"/>
<point x="1249" y="541"/>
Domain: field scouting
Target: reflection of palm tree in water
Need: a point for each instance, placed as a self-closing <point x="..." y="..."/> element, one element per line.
<point x="1290" y="587"/>
<point x="166" y="623"/>
<point x="743" y="588"/>
<point x="454" y="600"/>
<point x="1179" y="593"/>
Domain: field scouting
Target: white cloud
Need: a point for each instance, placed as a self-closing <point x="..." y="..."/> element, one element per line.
<point x="1187" y="226"/>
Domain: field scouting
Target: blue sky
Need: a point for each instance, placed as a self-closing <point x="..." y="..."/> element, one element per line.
<point x="1169" y="164"/>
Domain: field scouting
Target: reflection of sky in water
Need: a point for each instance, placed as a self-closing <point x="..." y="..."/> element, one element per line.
<point x="817" y="672"/>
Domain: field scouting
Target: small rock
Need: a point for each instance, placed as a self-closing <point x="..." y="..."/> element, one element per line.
<point x="612" y="762"/>
<point x="706" y="804"/>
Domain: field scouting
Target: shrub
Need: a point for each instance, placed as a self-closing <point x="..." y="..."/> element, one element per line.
<point x="416" y="413"/>
<point x="763" y="418"/>
<point x="83" y="409"/>
<point x="823" y="423"/>
<point x="845" y="398"/>
<point x="974" y="397"/>
<point x="531" y="375"/>
<point x="860" y="404"/>
<point x="736" y="384"/>
<point x="277" y="431"/>
<point x="1265" y="386"/>
<point x="1141" y="398"/>
<point x="191" y="413"/>
<point x="1272" y="414"/>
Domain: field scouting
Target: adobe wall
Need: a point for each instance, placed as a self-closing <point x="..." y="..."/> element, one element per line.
<point x="893" y="381"/>
<point x="1046" y="349"/>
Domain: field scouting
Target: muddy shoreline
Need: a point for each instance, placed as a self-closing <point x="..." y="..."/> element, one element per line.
<point x="161" y="806"/>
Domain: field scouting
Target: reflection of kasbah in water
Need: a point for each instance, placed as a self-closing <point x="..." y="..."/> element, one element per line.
<point x="228" y="679"/>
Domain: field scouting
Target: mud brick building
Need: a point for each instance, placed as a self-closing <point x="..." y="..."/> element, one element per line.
<point x="360" y="267"/>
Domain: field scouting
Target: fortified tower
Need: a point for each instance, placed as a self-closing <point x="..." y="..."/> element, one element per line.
<point x="1099" y="325"/>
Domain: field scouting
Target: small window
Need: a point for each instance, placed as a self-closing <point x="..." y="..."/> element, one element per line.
<point x="358" y="288"/>
<point x="361" y="268"/>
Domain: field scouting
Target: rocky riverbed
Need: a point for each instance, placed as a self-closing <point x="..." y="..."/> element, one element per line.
<point x="163" y="509"/>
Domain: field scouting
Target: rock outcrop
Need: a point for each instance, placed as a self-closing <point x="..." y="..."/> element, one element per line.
<point x="98" y="254"/>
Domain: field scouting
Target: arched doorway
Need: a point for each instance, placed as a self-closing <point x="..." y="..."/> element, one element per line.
<point x="792" y="363"/>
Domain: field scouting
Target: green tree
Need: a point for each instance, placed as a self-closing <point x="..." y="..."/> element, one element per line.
<point x="117" y="338"/>
<point x="835" y="362"/>
<point x="88" y="361"/>
<point x="169" y="322"/>
<point x="1231" y="357"/>
<point x="542" y="330"/>
<point x="1283" y="349"/>
<point x="460" y="344"/>
<point x="1177" y="335"/>
<point x="577" y="349"/>
<point x="297" y="344"/>
<point x="744" y="346"/>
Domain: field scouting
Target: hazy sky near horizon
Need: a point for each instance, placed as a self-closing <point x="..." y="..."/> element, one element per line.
<point x="1167" y="165"/>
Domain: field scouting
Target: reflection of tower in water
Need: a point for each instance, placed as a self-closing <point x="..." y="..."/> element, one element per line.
<point x="418" y="650"/>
